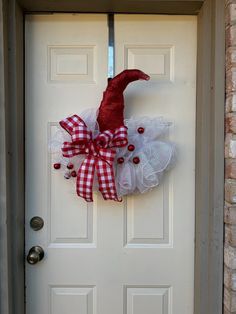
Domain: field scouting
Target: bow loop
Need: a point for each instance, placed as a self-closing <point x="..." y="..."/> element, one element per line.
<point x="81" y="134"/>
<point x="120" y="137"/>
<point x="77" y="128"/>
<point x="70" y="149"/>
<point x="69" y="123"/>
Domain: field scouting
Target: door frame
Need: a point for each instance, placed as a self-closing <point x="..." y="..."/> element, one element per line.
<point x="209" y="140"/>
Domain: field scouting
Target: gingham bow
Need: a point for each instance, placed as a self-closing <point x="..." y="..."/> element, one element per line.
<point x="99" y="155"/>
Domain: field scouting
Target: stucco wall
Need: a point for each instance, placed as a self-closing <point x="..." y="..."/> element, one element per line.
<point x="230" y="162"/>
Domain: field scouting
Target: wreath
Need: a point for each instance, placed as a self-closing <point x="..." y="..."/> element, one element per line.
<point x="105" y="152"/>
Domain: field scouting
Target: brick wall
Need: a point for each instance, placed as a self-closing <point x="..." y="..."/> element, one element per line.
<point x="230" y="162"/>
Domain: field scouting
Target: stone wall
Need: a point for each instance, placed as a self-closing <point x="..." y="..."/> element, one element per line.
<point x="230" y="162"/>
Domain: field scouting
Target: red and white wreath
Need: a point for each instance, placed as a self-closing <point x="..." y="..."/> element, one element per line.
<point x="105" y="152"/>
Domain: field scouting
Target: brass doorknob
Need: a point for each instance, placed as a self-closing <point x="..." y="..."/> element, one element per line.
<point x="36" y="254"/>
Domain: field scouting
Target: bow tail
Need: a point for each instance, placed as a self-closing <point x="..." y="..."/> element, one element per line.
<point x="106" y="180"/>
<point x="85" y="178"/>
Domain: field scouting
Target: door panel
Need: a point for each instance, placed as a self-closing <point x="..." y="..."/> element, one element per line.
<point x="162" y="220"/>
<point x="104" y="257"/>
<point x="66" y="71"/>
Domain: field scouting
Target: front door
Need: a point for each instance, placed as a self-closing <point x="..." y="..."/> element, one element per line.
<point x="133" y="257"/>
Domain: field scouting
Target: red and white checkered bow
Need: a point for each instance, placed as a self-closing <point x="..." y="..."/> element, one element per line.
<point x="100" y="154"/>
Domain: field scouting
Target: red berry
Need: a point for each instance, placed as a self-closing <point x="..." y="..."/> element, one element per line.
<point x="120" y="160"/>
<point x="140" y="130"/>
<point x="57" y="166"/>
<point x="73" y="173"/>
<point x="70" y="165"/>
<point x="131" y="147"/>
<point x="136" y="160"/>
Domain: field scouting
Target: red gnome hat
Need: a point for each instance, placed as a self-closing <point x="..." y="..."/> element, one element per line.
<point x="111" y="110"/>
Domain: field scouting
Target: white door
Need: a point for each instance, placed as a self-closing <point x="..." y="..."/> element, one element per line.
<point x="134" y="257"/>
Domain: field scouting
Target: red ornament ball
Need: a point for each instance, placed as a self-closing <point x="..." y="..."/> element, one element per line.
<point x="131" y="147"/>
<point x="120" y="160"/>
<point x="57" y="166"/>
<point x="73" y="174"/>
<point x="70" y="165"/>
<point x="141" y="130"/>
<point x="136" y="160"/>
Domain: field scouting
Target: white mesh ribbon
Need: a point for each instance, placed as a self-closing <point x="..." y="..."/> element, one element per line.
<point x="153" y="128"/>
<point x="126" y="178"/>
<point x="154" y="158"/>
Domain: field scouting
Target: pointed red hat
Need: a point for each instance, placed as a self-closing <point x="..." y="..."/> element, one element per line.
<point x="111" y="110"/>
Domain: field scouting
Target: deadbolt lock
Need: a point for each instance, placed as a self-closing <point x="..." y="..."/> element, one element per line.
<point x="36" y="223"/>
